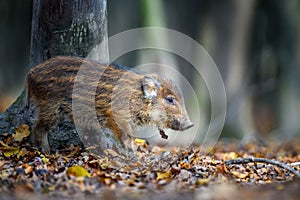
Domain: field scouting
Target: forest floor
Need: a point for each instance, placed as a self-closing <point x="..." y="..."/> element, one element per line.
<point x="228" y="171"/>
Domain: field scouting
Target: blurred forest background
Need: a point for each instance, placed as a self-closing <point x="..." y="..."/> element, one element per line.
<point x="255" y="45"/>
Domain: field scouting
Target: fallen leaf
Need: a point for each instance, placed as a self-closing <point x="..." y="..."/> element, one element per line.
<point x="230" y="155"/>
<point x="28" y="169"/>
<point x="2" y="164"/>
<point x="10" y="151"/>
<point x="21" y="132"/>
<point x="185" y="165"/>
<point x="44" y="159"/>
<point x="78" y="171"/>
<point x="163" y="175"/>
<point x="202" y="181"/>
<point x="239" y="174"/>
<point x="3" y="144"/>
<point x="140" y="141"/>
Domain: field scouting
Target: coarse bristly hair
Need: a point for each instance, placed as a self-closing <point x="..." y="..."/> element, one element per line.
<point x="124" y="98"/>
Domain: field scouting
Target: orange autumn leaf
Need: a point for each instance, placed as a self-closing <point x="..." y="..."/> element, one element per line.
<point x="21" y="132"/>
<point x="240" y="175"/>
<point x="185" y="165"/>
<point x="163" y="175"/>
<point x="230" y="155"/>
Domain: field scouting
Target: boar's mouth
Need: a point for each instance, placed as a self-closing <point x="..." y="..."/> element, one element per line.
<point x="186" y="126"/>
<point x="176" y="125"/>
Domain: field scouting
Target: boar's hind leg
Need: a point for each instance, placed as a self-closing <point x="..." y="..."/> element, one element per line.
<point x="45" y="121"/>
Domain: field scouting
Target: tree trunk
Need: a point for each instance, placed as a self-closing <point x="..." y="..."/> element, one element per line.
<point x="66" y="27"/>
<point x="59" y="27"/>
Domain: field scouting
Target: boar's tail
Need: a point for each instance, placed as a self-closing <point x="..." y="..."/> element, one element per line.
<point x="28" y="91"/>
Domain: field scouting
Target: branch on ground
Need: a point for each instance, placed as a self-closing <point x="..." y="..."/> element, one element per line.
<point x="263" y="160"/>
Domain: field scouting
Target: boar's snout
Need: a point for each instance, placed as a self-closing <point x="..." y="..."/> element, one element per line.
<point x="181" y="125"/>
<point x="188" y="124"/>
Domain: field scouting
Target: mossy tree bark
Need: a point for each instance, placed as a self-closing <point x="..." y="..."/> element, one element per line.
<point x="59" y="27"/>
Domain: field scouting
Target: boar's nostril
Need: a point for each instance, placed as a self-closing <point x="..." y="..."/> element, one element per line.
<point x="187" y="125"/>
<point x="176" y="125"/>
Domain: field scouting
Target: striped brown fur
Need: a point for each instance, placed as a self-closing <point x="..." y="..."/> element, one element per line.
<point x="123" y="100"/>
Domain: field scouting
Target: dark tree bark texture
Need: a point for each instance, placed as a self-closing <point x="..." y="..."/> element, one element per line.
<point x="66" y="27"/>
<point x="59" y="27"/>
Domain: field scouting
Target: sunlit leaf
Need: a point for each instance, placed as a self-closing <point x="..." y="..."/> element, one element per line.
<point x="21" y="132"/>
<point x="45" y="160"/>
<point x="163" y="175"/>
<point x="240" y="175"/>
<point x="3" y="144"/>
<point x="10" y="151"/>
<point x="140" y="141"/>
<point x="78" y="171"/>
<point x="28" y="169"/>
<point x="107" y="181"/>
<point x="185" y="165"/>
<point x="230" y="155"/>
<point x="202" y="181"/>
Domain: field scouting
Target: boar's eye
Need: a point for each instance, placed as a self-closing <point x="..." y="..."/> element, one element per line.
<point x="170" y="100"/>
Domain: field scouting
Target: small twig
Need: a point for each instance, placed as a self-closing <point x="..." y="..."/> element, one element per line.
<point x="294" y="164"/>
<point x="263" y="160"/>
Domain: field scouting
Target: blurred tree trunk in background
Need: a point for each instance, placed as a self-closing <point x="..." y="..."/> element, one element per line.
<point x="15" y="18"/>
<point x="276" y="67"/>
<point x="254" y="46"/>
<point x="59" y="27"/>
<point x="225" y="32"/>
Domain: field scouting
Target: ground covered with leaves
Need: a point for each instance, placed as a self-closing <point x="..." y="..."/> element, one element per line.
<point x="229" y="171"/>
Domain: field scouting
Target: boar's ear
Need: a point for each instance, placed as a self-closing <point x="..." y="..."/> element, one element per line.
<point x="150" y="87"/>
